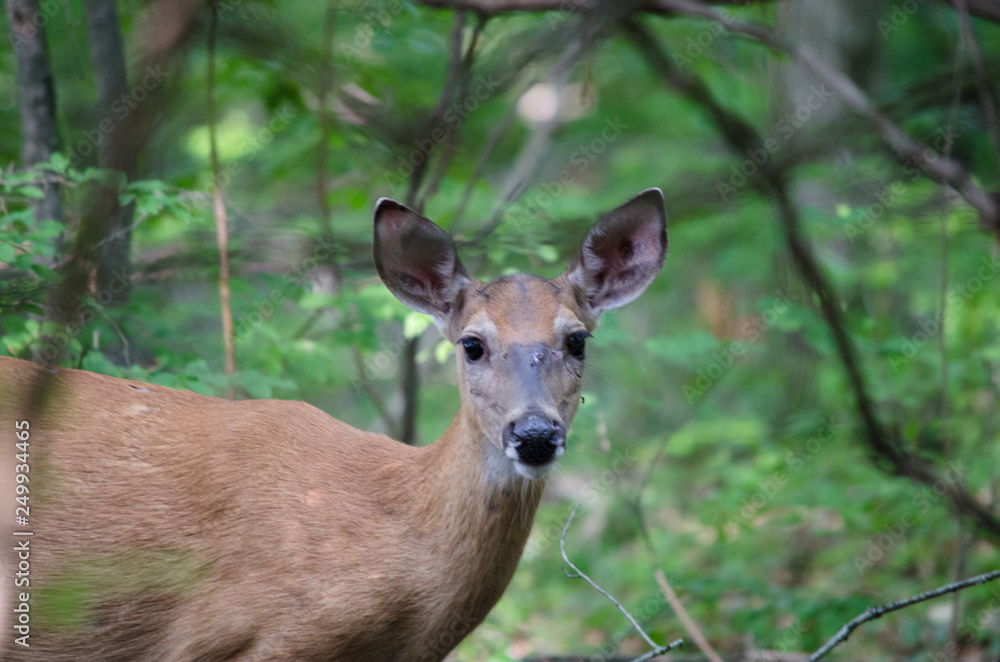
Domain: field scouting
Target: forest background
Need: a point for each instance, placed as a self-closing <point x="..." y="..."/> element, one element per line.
<point x="798" y="420"/>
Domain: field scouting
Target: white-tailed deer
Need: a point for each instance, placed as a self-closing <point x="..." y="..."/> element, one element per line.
<point x="170" y="526"/>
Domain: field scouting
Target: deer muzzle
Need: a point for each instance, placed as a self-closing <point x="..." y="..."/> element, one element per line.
<point x="534" y="439"/>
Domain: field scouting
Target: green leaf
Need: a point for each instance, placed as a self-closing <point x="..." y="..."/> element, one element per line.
<point x="58" y="163"/>
<point x="29" y="192"/>
<point x="689" y="350"/>
<point x="23" y="216"/>
<point x="442" y="350"/>
<point x="547" y="253"/>
<point x="111" y="178"/>
<point x="45" y="273"/>
<point x="24" y="262"/>
<point x="414" y="324"/>
<point x="49" y="228"/>
<point x="7" y="253"/>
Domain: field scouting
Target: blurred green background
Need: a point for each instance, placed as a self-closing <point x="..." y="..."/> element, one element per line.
<point x="740" y="470"/>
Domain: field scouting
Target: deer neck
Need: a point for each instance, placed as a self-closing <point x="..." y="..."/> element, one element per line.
<point x="480" y="510"/>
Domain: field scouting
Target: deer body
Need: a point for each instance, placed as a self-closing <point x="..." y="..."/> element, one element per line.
<point x="324" y="543"/>
<point x="172" y="526"/>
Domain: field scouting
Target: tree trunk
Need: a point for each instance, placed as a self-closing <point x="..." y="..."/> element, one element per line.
<point x="40" y="134"/>
<point x="116" y="150"/>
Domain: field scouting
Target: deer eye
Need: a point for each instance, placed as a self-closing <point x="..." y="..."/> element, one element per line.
<point x="576" y="344"/>
<point x="473" y="348"/>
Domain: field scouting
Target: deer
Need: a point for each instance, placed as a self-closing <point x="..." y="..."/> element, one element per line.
<point x="171" y="526"/>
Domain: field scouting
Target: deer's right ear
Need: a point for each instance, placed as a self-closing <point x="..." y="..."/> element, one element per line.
<point x="416" y="260"/>
<point x="622" y="253"/>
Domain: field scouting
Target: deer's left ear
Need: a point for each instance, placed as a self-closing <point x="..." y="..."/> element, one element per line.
<point x="416" y="260"/>
<point x="622" y="253"/>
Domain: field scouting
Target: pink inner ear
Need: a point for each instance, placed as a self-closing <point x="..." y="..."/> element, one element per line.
<point x="426" y="269"/>
<point x="393" y="217"/>
<point x="416" y="258"/>
<point x="623" y="254"/>
<point x="630" y="244"/>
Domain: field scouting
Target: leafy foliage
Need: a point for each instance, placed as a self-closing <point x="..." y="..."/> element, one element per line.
<point x="718" y="439"/>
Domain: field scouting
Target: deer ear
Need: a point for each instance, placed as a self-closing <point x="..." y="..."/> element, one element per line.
<point x="622" y="253"/>
<point x="416" y="259"/>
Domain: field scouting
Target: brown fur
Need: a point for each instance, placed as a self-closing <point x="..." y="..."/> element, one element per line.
<point x="172" y="527"/>
<point x="199" y="528"/>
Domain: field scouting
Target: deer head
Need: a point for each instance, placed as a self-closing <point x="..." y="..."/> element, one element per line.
<point x="521" y="339"/>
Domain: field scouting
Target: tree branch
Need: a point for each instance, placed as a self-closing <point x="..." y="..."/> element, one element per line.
<point x="878" y="612"/>
<point x="221" y="226"/>
<point x="118" y="149"/>
<point x="323" y="117"/>
<point x="741" y="136"/>
<point x="458" y="73"/>
<point x="462" y="80"/>
<point x="970" y="44"/>
<point x="37" y="99"/>
<point x="570" y="6"/>
<point x="985" y="9"/>
<point x="942" y="170"/>
<point x="692" y="628"/>
<point x="579" y="574"/>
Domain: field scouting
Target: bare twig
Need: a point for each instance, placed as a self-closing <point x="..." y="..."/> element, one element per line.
<point x="993" y="394"/>
<point x="579" y="574"/>
<point x="325" y="127"/>
<point x="460" y="65"/>
<point x="452" y="84"/>
<point x="463" y="78"/>
<point x="567" y="38"/>
<point x="121" y="336"/>
<point x="372" y="393"/>
<point x="221" y="227"/>
<point x="492" y="139"/>
<point x="692" y="628"/>
<point x="962" y="549"/>
<point x="536" y="147"/>
<point x="877" y="612"/>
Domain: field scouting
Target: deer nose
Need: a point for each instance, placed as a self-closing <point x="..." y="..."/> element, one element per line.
<point x="536" y="438"/>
